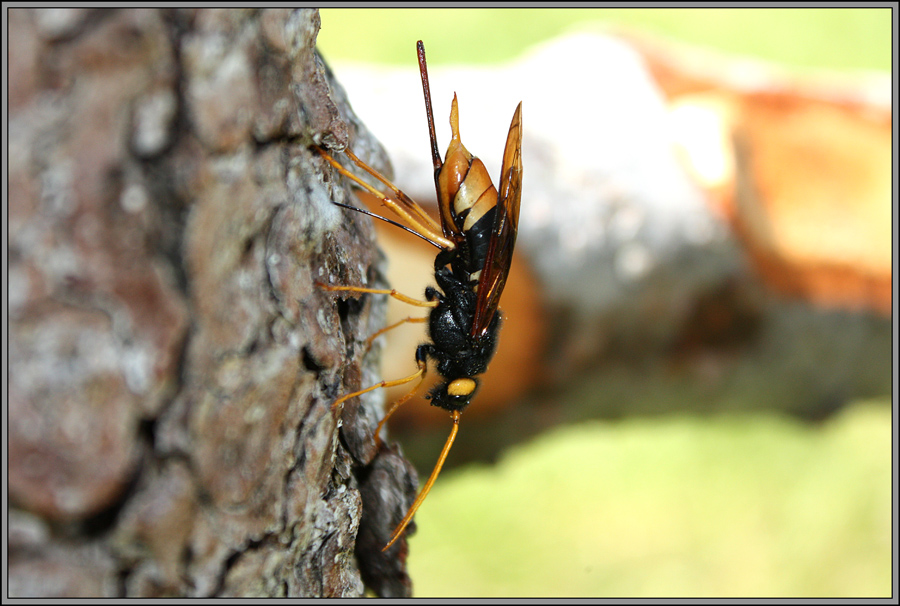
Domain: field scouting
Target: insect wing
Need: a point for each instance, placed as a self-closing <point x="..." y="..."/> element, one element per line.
<point x="506" y="226"/>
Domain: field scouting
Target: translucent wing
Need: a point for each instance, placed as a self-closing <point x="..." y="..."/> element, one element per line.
<point x="506" y="226"/>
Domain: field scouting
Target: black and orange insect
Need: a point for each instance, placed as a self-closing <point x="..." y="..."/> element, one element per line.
<point x="475" y="238"/>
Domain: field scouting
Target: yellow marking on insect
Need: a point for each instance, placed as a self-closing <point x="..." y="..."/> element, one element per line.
<point x="461" y="387"/>
<point x="477" y="181"/>
<point x="485" y="203"/>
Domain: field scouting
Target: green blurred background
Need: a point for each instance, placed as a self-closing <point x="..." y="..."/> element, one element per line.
<point x="732" y="505"/>
<point x="829" y="37"/>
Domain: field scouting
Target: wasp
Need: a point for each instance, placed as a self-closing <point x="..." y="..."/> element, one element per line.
<point x="475" y="241"/>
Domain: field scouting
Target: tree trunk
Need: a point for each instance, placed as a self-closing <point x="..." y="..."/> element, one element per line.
<point x="172" y="363"/>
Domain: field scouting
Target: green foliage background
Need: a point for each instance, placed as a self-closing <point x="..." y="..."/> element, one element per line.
<point x="839" y="38"/>
<point x="741" y="505"/>
<point x="749" y="505"/>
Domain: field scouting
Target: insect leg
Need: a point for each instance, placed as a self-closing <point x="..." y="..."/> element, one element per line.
<point x="425" y="490"/>
<point x="404" y="207"/>
<point x="402" y="198"/>
<point x="410" y="320"/>
<point x="416" y="375"/>
<point x="380" y="291"/>
<point x="421" y="362"/>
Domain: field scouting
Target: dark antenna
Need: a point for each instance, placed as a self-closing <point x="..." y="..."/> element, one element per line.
<point x="386" y="220"/>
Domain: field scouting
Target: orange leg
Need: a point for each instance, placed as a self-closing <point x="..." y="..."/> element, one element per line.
<point x="403" y="206"/>
<point x="397" y="404"/>
<point x="410" y="320"/>
<point x="380" y="291"/>
<point x="427" y="488"/>
<point x="391" y="292"/>
<point x="419" y="374"/>
<point x="403" y="199"/>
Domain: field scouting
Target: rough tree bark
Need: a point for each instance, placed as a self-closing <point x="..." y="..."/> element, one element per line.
<point x="172" y="364"/>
